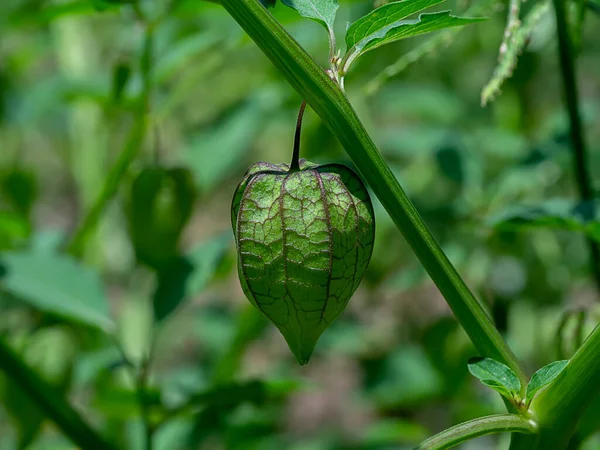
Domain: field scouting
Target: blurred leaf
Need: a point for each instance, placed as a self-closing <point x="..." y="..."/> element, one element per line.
<point x="250" y="325"/>
<point x="50" y="12"/>
<point x="104" y="5"/>
<point x="557" y="213"/>
<point x="451" y="164"/>
<point x="57" y="284"/>
<point x="543" y="378"/>
<point x="171" y="286"/>
<point x="88" y="365"/>
<point x="321" y="11"/>
<point x="231" y="139"/>
<point x="182" y="53"/>
<point x="232" y="394"/>
<point x="50" y="352"/>
<point x="19" y="188"/>
<point x="121" y="74"/>
<point x="268" y="3"/>
<point x="497" y="376"/>
<point x="160" y="203"/>
<point x="406" y="379"/>
<point x="447" y="347"/>
<point x="374" y="30"/>
<point x="391" y="432"/>
<point x="121" y="403"/>
<point x="205" y="259"/>
<point x="135" y="322"/>
<point x="13" y="228"/>
<point x="510" y="51"/>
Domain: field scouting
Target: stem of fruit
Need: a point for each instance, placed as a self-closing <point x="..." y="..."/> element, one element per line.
<point x="327" y="99"/>
<point x="295" y="164"/>
<point x="478" y="427"/>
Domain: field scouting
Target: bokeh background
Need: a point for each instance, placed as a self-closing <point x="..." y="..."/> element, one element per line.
<point x="495" y="184"/>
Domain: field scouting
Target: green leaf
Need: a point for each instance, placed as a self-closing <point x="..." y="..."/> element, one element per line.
<point x="543" y="378"/>
<point x="322" y="11"/>
<point x="377" y="32"/>
<point x="556" y="213"/>
<point x="250" y="324"/>
<point x="496" y="375"/>
<point x="57" y="284"/>
<point x="160" y="203"/>
<point x="13" y="228"/>
<point x="384" y="16"/>
<point x="171" y="287"/>
<point x="206" y="258"/>
<point x="229" y="395"/>
<point x="121" y="75"/>
<point x="232" y="138"/>
<point x="19" y="189"/>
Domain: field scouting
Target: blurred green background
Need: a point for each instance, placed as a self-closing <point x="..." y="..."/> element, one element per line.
<point x="494" y="183"/>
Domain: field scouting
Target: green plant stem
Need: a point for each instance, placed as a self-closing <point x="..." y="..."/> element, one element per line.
<point x="142" y="385"/>
<point x="578" y="144"/>
<point x="558" y="408"/>
<point x="295" y="163"/>
<point x="478" y="427"/>
<point x="49" y="401"/>
<point x="126" y="157"/>
<point x="330" y="103"/>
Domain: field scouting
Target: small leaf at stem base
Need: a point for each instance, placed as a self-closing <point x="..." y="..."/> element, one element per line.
<point x="497" y="376"/>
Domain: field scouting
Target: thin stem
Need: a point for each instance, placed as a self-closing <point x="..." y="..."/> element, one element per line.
<point x="332" y="49"/>
<point x="479" y="427"/>
<point x="54" y="406"/>
<point x="126" y="157"/>
<point x="327" y="99"/>
<point x="558" y="408"/>
<point x="578" y="144"/>
<point x="142" y="385"/>
<point x="295" y="164"/>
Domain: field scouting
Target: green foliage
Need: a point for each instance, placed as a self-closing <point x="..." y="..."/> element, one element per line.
<point x="386" y="25"/>
<point x="50" y="352"/>
<point x="543" y="378"/>
<point x="497" y="376"/>
<point x="159" y="206"/>
<point x="557" y="214"/>
<point x="321" y="11"/>
<point x="94" y="93"/>
<point x="57" y="284"/>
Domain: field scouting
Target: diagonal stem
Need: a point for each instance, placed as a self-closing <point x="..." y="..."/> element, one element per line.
<point x="329" y="102"/>
<point x="49" y="401"/>
<point x="463" y="432"/>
